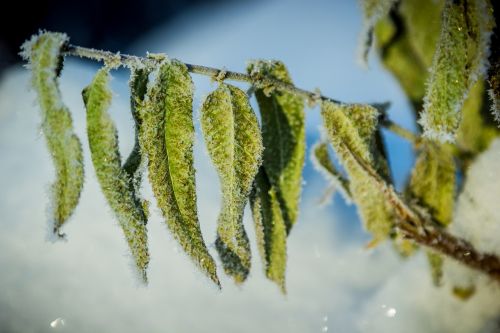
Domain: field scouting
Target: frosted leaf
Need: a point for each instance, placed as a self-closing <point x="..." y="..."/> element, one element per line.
<point x="324" y="165"/>
<point x="234" y="143"/>
<point x="283" y="135"/>
<point x="373" y="11"/>
<point x="43" y="51"/>
<point x="432" y="182"/>
<point x="477" y="217"/>
<point x="352" y="131"/>
<point x="138" y="87"/>
<point x="115" y="182"/>
<point x="270" y="228"/>
<point x="166" y="137"/>
<point x="461" y="56"/>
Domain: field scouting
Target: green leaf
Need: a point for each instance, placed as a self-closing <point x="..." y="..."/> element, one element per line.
<point x="432" y="182"/>
<point x="270" y="228"/>
<point x="167" y="136"/>
<point x="138" y="88"/>
<point x="477" y="128"/>
<point x="460" y="58"/>
<point x="116" y="183"/>
<point x="45" y="60"/>
<point x="321" y="161"/>
<point x="352" y="131"/>
<point x="283" y="134"/>
<point x="234" y="143"/>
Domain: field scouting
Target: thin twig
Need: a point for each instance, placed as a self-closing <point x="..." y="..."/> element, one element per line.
<point x="220" y="74"/>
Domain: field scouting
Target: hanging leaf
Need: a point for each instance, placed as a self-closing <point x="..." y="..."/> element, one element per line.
<point x="351" y="129"/>
<point x="373" y="11"/>
<point x="460" y="58"/>
<point x="234" y="144"/>
<point x="270" y="228"/>
<point x="115" y="182"/>
<point x="43" y="52"/>
<point x="283" y="134"/>
<point x="166" y="136"/>
<point x="432" y="182"/>
<point x="138" y="88"/>
<point x="323" y="164"/>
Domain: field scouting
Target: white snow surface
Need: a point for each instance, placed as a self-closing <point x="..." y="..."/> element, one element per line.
<point x="333" y="283"/>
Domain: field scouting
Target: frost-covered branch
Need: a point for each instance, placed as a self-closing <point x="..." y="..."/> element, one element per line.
<point x="256" y="80"/>
<point x="426" y="232"/>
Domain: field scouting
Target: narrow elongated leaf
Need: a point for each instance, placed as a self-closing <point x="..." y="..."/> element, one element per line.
<point x="115" y="182"/>
<point x="460" y="57"/>
<point x="352" y="129"/>
<point x="44" y="54"/>
<point x="166" y="136"/>
<point x="138" y="88"/>
<point x="283" y="134"/>
<point x="234" y="144"/>
<point x="270" y="228"/>
<point x="323" y="164"/>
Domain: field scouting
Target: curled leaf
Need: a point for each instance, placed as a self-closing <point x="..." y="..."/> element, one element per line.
<point x="283" y="135"/>
<point x="115" y="181"/>
<point x="167" y="136"/>
<point x="45" y="60"/>
<point x="138" y="88"/>
<point x="270" y="228"/>
<point x="352" y="131"/>
<point x="234" y="143"/>
<point x="323" y="164"/>
<point x="460" y="58"/>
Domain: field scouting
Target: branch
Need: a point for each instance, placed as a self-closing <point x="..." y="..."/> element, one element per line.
<point x="414" y="226"/>
<point x="426" y="232"/>
<point x="217" y="74"/>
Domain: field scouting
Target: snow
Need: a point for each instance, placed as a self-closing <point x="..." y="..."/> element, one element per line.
<point x="87" y="280"/>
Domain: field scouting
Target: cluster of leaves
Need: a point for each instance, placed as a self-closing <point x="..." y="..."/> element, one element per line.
<point x="162" y="107"/>
<point x="262" y="163"/>
<point x="440" y="52"/>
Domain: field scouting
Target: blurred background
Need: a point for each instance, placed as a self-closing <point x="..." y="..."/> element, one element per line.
<point x="86" y="284"/>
